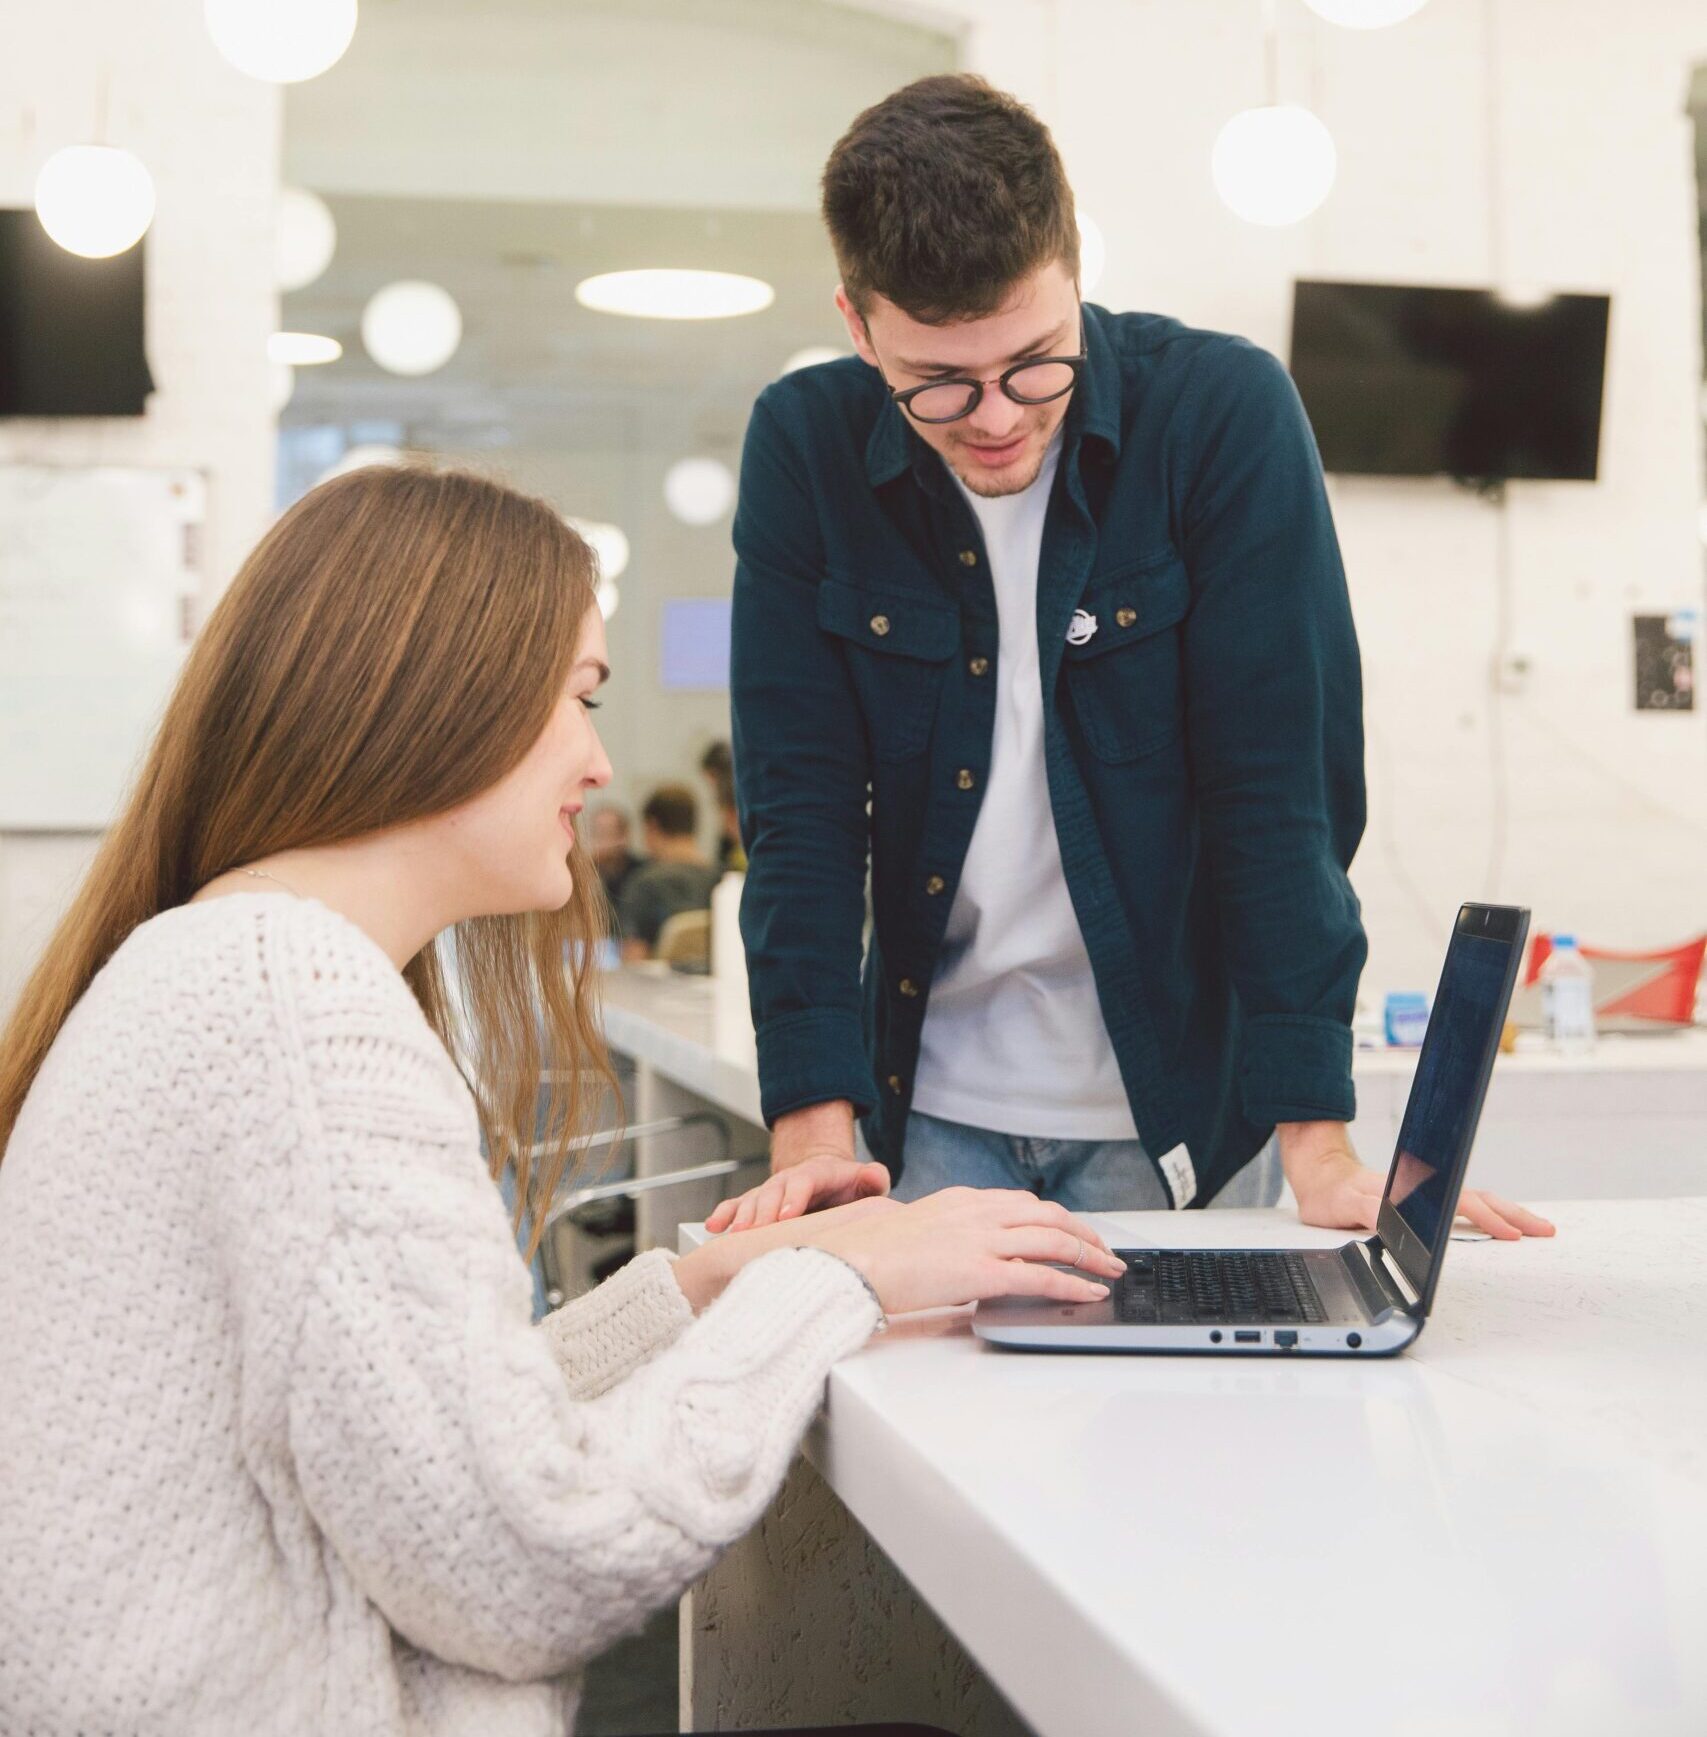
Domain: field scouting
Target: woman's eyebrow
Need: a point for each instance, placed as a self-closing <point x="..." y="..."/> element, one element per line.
<point x="594" y="663"/>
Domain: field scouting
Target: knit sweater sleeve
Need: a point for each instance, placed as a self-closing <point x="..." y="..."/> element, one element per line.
<point x="453" y="1454"/>
<point x="601" y="1337"/>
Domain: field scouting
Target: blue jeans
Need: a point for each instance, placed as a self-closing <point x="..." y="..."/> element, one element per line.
<point x="1084" y="1175"/>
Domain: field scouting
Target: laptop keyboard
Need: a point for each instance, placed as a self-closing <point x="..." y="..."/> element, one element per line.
<point x="1167" y="1288"/>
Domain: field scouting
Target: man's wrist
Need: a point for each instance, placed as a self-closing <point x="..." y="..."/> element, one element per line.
<point x="1312" y="1152"/>
<point x="818" y="1130"/>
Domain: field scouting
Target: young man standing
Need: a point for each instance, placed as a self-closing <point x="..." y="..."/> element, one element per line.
<point x="1041" y="606"/>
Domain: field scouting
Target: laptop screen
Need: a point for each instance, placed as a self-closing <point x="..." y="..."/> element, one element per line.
<point x="1451" y="1081"/>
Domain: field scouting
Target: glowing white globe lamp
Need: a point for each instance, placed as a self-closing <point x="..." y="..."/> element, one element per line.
<point x="412" y="327"/>
<point x="699" y="491"/>
<point x="303" y="349"/>
<point x="281" y="383"/>
<point x="1365" y="14"/>
<point x="359" y="458"/>
<point x="811" y="356"/>
<point x="675" y="295"/>
<point x="281" y="41"/>
<point x="1274" y="165"/>
<point x="609" y="544"/>
<point x="610" y="599"/>
<point x="95" y="200"/>
<point x="304" y="238"/>
<point x="1093" y="254"/>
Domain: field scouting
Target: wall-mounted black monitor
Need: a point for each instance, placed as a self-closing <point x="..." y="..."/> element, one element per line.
<point x="71" y="341"/>
<point x="1403" y="380"/>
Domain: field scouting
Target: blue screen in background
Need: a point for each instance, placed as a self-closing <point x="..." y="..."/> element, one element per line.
<point x="696" y="643"/>
<point x="1461" y="1030"/>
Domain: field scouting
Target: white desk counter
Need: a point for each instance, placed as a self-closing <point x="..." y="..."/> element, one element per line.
<point x="1627" y="1120"/>
<point x="1502" y="1533"/>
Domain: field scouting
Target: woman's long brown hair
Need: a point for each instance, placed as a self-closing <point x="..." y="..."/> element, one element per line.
<point x="394" y="645"/>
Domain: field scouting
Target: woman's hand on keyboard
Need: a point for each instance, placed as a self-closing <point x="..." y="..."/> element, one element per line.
<point x="962" y="1245"/>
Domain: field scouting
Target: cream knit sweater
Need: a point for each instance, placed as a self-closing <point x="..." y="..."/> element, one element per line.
<point x="280" y="1449"/>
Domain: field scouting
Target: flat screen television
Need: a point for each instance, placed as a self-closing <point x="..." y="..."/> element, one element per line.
<point x="1409" y="380"/>
<point x="71" y="340"/>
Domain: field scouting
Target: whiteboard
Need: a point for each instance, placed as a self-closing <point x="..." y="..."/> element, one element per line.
<point x="99" y="582"/>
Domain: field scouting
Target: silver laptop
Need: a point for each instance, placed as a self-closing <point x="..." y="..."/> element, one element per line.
<point x="1367" y="1298"/>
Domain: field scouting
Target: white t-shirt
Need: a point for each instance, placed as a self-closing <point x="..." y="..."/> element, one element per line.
<point x="1014" y="1039"/>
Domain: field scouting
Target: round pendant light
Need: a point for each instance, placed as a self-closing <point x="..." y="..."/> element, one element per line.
<point x="609" y="598"/>
<point x="412" y="327"/>
<point x="675" y="295"/>
<point x="699" y="491"/>
<point x="1274" y="165"/>
<point x="304" y="238"/>
<point x="281" y="41"/>
<point x="95" y="200"/>
<point x="609" y="544"/>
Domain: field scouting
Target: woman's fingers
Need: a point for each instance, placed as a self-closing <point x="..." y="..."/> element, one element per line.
<point x="1023" y="1278"/>
<point x="1044" y="1243"/>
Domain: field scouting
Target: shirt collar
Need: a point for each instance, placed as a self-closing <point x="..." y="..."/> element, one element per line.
<point x="1094" y="411"/>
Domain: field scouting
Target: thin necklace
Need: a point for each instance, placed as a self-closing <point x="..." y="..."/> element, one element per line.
<point x="261" y="874"/>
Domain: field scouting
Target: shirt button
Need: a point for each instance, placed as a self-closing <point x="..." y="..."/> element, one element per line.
<point x="964" y="779"/>
<point x="1125" y="617"/>
<point x="979" y="666"/>
<point x="880" y="625"/>
<point x="895" y="1083"/>
<point x="909" y="988"/>
<point x="969" y="557"/>
<point x="935" y="885"/>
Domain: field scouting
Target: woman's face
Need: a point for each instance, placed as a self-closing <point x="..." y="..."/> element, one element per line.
<point x="511" y="843"/>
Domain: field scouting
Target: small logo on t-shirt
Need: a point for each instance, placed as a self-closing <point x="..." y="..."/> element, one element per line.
<point x="1083" y="627"/>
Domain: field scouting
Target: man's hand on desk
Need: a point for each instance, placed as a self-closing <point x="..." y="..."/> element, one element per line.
<point x="812" y="1167"/>
<point x="1338" y="1192"/>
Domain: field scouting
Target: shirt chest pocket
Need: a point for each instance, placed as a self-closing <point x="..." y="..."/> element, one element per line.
<point x="1124" y="679"/>
<point x="898" y="645"/>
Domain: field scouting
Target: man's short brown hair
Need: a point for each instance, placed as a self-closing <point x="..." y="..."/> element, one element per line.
<point x="672" y="809"/>
<point x="945" y="195"/>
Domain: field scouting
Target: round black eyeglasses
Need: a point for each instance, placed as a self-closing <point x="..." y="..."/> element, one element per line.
<point x="1039" y="381"/>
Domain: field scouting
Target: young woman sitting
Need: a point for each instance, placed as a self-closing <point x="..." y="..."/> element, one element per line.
<point x="280" y="1448"/>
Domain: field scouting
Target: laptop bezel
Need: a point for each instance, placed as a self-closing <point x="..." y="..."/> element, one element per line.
<point x="1421" y="1266"/>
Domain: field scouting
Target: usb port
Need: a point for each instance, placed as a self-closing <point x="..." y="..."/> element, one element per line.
<point x="1246" y="1336"/>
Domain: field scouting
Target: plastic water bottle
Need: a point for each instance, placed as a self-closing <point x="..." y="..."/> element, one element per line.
<point x="1567" y="996"/>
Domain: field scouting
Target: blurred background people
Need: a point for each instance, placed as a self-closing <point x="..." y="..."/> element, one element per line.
<point x="676" y="877"/>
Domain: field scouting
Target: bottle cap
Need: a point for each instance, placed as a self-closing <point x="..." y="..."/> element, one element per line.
<point x="1564" y="940"/>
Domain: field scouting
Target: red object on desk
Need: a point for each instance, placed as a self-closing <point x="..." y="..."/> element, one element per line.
<point x="1657" y="985"/>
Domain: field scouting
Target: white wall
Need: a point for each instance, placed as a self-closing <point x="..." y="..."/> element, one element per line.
<point x="1545" y="139"/>
<point x="210" y="138"/>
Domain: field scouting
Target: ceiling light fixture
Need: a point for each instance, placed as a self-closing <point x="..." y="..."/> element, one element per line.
<point x="281" y="41"/>
<point x="412" y="327"/>
<point x="304" y="238"/>
<point x="95" y="200"/>
<point x="675" y="295"/>
<point x="303" y="349"/>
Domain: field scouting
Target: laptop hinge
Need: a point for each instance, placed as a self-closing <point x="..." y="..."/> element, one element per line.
<point x="1379" y="1281"/>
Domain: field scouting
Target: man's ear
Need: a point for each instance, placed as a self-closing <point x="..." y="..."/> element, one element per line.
<point x="856" y="328"/>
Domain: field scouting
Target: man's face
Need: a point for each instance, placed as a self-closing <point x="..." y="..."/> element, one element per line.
<point x="1000" y="447"/>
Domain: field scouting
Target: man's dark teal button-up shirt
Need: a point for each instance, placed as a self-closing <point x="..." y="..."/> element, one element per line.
<point x="1204" y="745"/>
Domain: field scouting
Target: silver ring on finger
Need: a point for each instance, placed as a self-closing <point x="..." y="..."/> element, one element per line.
<point x="1078" y="1259"/>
